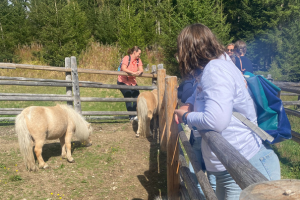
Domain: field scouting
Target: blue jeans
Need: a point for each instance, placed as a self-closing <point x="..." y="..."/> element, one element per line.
<point x="265" y="161"/>
<point x="196" y="145"/>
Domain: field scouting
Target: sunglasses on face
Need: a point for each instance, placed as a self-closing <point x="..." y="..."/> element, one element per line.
<point x="230" y="50"/>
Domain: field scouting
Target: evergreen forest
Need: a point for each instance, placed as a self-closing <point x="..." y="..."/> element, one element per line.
<point x="271" y="28"/>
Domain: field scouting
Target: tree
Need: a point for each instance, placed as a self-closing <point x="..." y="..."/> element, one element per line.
<point x="185" y="12"/>
<point x="14" y="27"/>
<point x="61" y="27"/>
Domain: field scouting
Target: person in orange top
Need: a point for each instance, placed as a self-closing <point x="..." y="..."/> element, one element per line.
<point x="132" y="65"/>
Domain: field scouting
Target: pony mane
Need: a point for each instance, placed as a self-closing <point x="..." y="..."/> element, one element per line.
<point x="83" y="128"/>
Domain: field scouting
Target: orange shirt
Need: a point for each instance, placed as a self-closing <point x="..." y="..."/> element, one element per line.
<point x="133" y="66"/>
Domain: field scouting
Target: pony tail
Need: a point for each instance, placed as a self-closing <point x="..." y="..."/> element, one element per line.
<point x="25" y="142"/>
<point x="142" y="112"/>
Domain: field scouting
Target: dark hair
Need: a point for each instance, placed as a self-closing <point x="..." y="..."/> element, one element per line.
<point x="240" y="47"/>
<point x="196" y="46"/>
<point x="131" y="50"/>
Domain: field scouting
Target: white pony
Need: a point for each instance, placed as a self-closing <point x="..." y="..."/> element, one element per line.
<point x="147" y="105"/>
<point x="39" y="123"/>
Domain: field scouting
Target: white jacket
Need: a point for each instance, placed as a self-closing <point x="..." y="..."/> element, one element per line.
<point x="221" y="89"/>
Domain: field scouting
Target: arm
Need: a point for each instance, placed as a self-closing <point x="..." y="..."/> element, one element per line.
<point x="218" y="95"/>
<point x="140" y="68"/>
<point x="124" y="67"/>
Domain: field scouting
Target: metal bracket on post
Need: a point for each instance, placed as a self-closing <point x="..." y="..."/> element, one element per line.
<point x="75" y="83"/>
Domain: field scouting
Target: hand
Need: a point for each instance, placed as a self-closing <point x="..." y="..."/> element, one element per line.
<point x="138" y="73"/>
<point x="178" y="113"/>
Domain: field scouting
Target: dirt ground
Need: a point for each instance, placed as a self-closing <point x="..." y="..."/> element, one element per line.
<point x="117" y="166"/>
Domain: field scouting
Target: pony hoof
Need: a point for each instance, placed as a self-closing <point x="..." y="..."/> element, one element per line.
<point x="89" y="144"/>
<point x="71" y="161"/>
<point x="44" y="167"/>
<point x="137" y="135"/>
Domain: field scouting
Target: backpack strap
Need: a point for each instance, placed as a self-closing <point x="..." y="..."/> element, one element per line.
<point x="260" y="132"/>
<point x="129" y="61"/>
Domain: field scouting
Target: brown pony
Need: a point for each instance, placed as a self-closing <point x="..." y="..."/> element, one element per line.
<point x="39" y="123"/>
<point x="147" y="104"/>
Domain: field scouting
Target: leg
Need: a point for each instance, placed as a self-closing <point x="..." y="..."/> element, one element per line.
<point x="38" y="152"/>
<point x="267" y="162"/>
<point x="126" y="94"/>
<point x="134" y="94"/>
<point x="68" y="138"/>
<point x="63" y="147"/>
<point x="226" y="187"/>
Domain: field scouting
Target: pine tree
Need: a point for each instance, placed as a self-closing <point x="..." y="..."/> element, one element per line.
<point x="61" y="27"/>
<point x="185" y="12"/>
<point x="14" y="27"/>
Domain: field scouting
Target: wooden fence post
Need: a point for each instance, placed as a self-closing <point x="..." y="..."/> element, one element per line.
<point x="68" y="78"/>
<point x="161" y="75"/>
<point x="154" y="80"/>
<point x="75" y="83"/>
<point x="172" y="138"/>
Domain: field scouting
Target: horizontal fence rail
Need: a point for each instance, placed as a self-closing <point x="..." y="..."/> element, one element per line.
<point x="61" y="69"/>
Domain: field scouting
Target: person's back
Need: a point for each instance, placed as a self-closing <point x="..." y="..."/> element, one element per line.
<point x="242" y="62"/>
<point x="246" y="64"/>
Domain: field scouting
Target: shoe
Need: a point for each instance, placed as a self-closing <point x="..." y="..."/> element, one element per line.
<point x="135" y="119"/>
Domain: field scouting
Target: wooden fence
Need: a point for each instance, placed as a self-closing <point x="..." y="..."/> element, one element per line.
<point x="72" y="85"/>
<point x="179" y="182"/>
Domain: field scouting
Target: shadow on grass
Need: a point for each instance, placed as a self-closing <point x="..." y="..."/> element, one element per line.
<point x="155" y="179"/>
<point x="54" y="149"/>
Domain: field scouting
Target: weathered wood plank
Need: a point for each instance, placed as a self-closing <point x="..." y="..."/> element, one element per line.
<point x="35" y="98"/>
<point x="286" y="189"/>
<point x="88" y="118"/>
<point x="286" y="84"/>
<point x="237" y="165"/>
<point x="13" y="109"/>
<point x="10" y="112"/>
<point x="184" y="195"/>
<point x="96" y="99"/>
<point x="289" y="94"/>
<point x="172" y="139"/>
<point x="201" y="177"/>
<point x="291" y="89"/>
<point x="75" y="85"/>
<point x="33" y="79"/>
<point x="296" y="136"/>
<point x="161" y="75"/>
<point x="286" y="103"/>
<point x="186" y="175"/>
<point x="33" y="83"/>
<point x="36" y="95"/>
<point x="117" y="86"/>
<point x="109" y="113"/>
<point x="292" y="112"/>
<point x="68" y="78"/>
<point x="61" y="69"/>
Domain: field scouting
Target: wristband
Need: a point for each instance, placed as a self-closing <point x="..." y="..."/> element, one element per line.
<point x="184" y="119"/>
